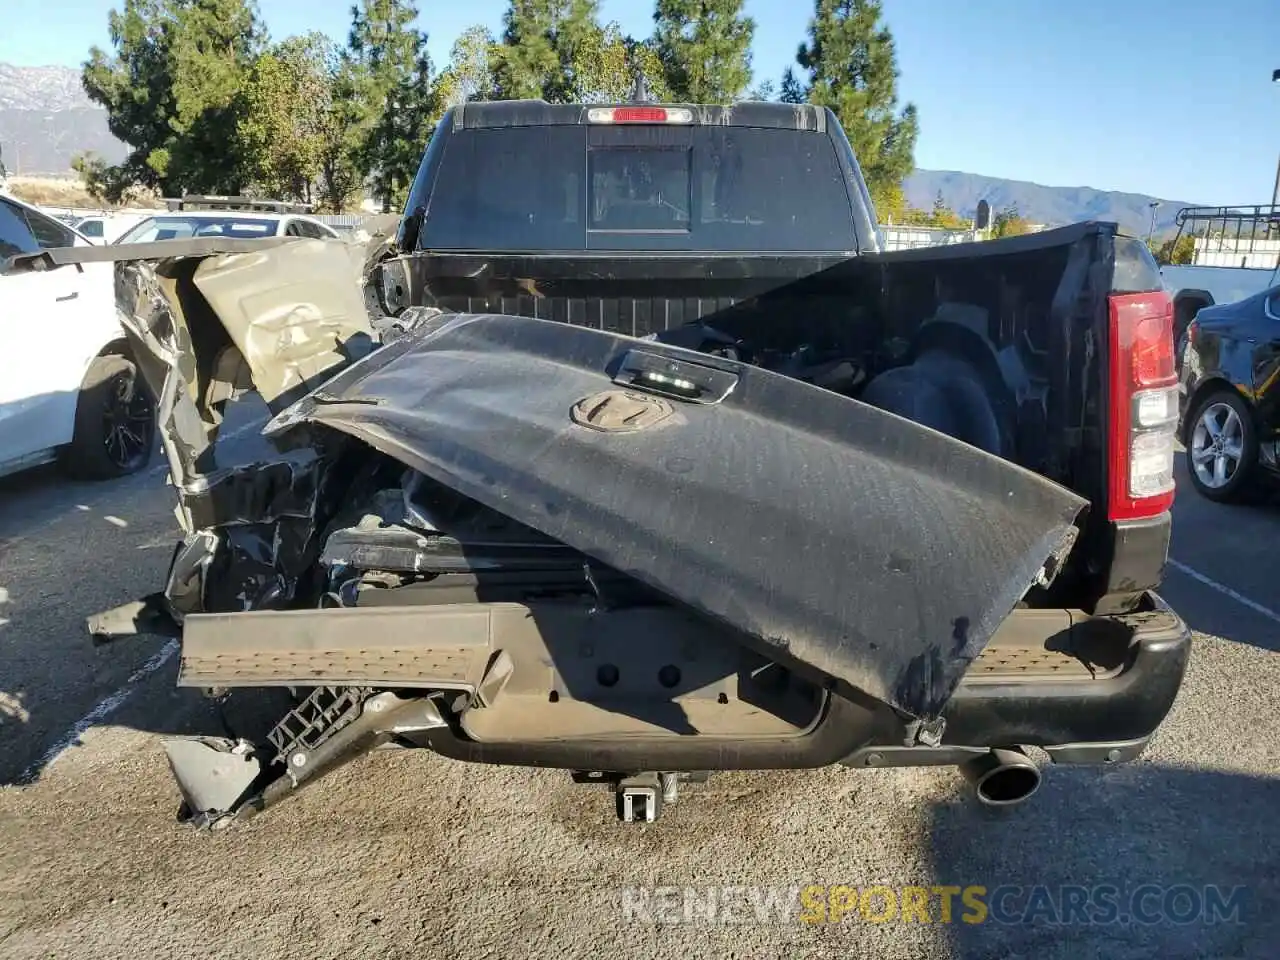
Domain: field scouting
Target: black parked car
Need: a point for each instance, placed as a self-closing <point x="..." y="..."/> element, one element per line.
<point x="1231" y="397"/>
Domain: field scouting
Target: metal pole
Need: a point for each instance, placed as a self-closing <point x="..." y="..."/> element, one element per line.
<point x="1152" y="227"/>
<point x="1275" y="191"/>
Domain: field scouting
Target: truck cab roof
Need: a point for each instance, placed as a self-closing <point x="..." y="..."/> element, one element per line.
<point x="642" y="177"/>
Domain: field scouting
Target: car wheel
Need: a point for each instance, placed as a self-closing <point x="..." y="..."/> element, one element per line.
<point x="115" y="424"/>
<point x="1222" y="447"/>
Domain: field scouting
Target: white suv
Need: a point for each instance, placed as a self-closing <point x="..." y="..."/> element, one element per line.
<point x="69" y="389"/>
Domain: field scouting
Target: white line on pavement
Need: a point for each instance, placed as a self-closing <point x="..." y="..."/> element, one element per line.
<point x="1225" y="590"/>
<point x="112" y="703"/>
<point x="101" y="711"/>
<point x="222" y="437"/>
<point x="245" y="428"/>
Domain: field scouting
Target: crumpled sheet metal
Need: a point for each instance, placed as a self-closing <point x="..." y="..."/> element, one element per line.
<point x="253" y="558"/>
<point x="155" y="319"/>
<point x="290" y="313"/>
<point x="879" y="552"/>
<point x="294" y="311"/>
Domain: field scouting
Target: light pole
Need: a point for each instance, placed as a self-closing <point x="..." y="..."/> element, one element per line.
<point x="1275" y="191"/>
<point x="1154" y="205"/>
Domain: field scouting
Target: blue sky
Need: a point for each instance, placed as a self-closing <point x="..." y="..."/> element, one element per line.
<point x="1170" y="98"/>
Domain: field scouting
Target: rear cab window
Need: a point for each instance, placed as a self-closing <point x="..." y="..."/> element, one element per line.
<point x="640" y="187"/>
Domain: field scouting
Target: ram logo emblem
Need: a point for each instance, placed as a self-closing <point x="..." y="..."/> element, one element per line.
<point x="620" y="411"/>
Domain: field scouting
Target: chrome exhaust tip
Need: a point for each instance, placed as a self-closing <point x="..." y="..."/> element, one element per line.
<point x="1003" y="777"/>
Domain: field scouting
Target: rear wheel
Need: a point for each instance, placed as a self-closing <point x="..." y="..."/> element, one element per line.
<point x="1222" y="447"/>
<point x="115" y="424"/>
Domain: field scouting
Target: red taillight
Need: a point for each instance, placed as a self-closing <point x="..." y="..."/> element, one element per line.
<point x="1153" y="350"/>
<point x="1142" y="406"/>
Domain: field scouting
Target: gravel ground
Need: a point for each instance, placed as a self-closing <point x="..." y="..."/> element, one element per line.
<point x="408" y="854"/>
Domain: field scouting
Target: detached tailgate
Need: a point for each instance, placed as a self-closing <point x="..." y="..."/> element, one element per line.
<point x="830" y="534"/>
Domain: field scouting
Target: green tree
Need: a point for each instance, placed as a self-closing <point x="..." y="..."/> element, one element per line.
<point x="908" y="216"/>
<point x="891" y="205"/>
<point x="604" y="67"/>
<point x="1008" y="223"/>
<point x="342" y="140"/>
<point x="945" y="218"/>
<point x="792" y="90"/>
<point x="171" y="88"/>
<point x="851" y="66"/>
<point x="1174" y="250"/>
<point x="394" y="92"/>
<point x="420" y="108"/>
<point x="469" y="75"/>
<point x="543" y="45"/>
<point x="558" y="51"/>
<point x="93" y="172"/>
<point x="939" y="216"/>
<point x="282" y="128"/>
<point x="705" y="48"/>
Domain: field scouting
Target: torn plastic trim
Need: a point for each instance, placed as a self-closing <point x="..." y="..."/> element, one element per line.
<point x="223" y="781"/>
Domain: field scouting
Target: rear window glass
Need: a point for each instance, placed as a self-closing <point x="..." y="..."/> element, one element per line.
<point x="15" y="238"/>
<point x="640" y="189"/>
<point x="49" y="233"/>
<point x="182" y="228"/>
<point x="569" y="187"/>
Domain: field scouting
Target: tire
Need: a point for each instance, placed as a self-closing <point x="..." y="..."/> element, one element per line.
<point x="1236" y="480"/>
<point x="944" y="392"/>
<point x="115" y="425"/>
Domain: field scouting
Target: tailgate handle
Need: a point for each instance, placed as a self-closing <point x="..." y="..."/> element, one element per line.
<point x="678" y="379"/>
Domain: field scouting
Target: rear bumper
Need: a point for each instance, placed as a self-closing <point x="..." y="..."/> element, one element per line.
<point x="1086" y="689"/>
<point x="1043" y="695"/>
<point x="1107" y="718"/>
<point x="1138" y="662"/>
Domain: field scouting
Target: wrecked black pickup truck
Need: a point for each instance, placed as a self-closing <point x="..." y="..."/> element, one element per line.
<point x="630" y="453"/>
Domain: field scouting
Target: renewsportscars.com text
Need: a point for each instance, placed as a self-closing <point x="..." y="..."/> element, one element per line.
<point x="971" y="904"/>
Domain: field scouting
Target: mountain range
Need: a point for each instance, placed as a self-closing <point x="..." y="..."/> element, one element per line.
<point x="46" y="119"/>
<point x="1052" y="206"/>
